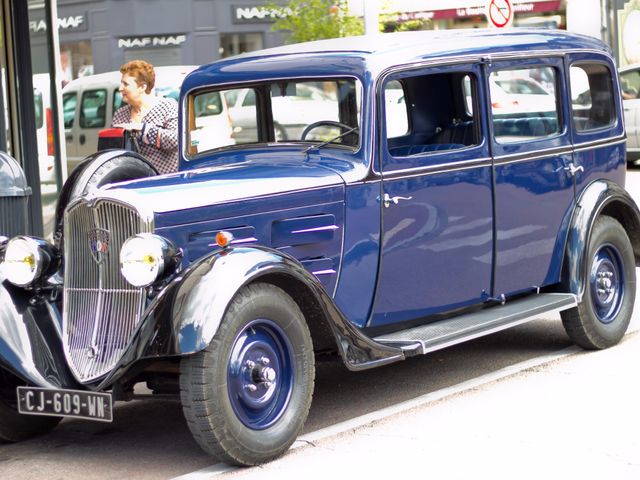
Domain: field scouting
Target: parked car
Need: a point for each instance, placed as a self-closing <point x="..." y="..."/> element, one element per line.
<point x="630" y="84"/>
<point x="90" y="102"/>
<point x="415" y="221"/>
<point x="44" y="127"/>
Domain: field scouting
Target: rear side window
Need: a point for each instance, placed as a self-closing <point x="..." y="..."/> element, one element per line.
<point x="69" y="102"/>
<point x="591" y="97"/>
<point x="524" y="104"/>
<point x="92" y="109"/>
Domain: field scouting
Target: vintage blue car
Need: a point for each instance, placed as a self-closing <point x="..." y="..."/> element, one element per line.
<point x="437" y="187"/>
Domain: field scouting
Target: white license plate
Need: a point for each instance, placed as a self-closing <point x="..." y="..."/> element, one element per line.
<point x="65" y="403"/>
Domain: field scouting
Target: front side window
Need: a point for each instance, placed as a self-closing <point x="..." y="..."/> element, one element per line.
<point x="430" y="113"/>
<point x="92" y="109"/>
<point x="524" y="104"/>
<point x="591" y="97"/>
<point x="320" y="111"/>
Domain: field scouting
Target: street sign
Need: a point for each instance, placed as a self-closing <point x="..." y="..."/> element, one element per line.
<point x="499" y="13"/>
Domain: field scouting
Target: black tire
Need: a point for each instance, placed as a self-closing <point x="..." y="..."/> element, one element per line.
<point x="241" y="408"/>
<point x="15" y="427"/>
<point x="95" y="171"/>
<point x="601" y="319"/>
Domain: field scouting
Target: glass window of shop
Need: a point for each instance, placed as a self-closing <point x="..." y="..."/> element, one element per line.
<point x="237" y="43"/>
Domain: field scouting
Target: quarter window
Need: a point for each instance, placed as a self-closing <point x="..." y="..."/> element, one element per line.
<point x="591" y="97"/>
<point x="524" y="104"/>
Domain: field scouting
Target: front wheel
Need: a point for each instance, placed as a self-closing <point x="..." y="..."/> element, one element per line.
<point x="247" y="395"/>
<point x="601" y="319"/>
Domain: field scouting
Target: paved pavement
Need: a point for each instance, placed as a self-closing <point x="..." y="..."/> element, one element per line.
<point x="575" y="417"/>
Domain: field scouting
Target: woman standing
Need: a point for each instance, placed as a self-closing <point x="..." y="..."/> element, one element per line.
<point x="152" y="120"/>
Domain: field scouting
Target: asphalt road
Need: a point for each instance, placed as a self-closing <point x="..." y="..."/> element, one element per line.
<point x="150" y="440"/>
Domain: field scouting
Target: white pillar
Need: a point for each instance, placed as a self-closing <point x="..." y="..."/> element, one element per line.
<point x="371" y="12"/>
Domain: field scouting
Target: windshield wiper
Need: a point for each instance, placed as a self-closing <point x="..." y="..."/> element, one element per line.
<point x="327" y="142"/>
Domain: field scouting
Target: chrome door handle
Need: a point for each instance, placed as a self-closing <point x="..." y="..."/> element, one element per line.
<point x="388" y="199"/>
<point x="572" y="169"/>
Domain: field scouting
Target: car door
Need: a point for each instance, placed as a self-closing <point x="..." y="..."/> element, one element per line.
<point x="630" y="86"/>
<point x="70" y="115"/>
<point x="534" y="183"/>
<point x="436" y="200"/>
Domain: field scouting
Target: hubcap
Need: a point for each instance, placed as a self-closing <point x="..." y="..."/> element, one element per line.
<point x="607" y="283"/>
<point x="260" y="374"/>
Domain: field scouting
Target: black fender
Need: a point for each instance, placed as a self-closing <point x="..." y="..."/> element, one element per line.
<point x="30" y="338"/>
<point x="95" y="171"/>
<point x="189" y="311"/>
<point x="601" y="197"/>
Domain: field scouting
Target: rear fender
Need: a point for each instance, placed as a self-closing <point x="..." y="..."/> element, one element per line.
<point x="601" y="197"/>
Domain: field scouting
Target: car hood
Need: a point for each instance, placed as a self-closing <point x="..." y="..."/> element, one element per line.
<point x="222" y="184"/>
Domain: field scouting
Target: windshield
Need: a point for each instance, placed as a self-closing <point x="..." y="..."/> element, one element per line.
<point x="292" y="111"/>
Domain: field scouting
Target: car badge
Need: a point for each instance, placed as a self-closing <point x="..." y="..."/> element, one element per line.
<point x="99" y="243"/>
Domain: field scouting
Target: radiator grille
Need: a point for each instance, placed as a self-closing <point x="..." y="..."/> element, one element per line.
<point x="101" y="309"/>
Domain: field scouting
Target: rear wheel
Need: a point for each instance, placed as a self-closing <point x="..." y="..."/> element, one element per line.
<point x="601" y="319"/>
<point x="247" y="395"/>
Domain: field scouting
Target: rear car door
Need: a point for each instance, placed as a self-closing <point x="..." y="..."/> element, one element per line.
<point x="534" y="182"/>
<point x="436" y="200"/>
<point x="630" y="86"/>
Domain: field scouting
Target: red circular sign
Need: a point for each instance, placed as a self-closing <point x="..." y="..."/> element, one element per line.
<point x="500" y="12"/>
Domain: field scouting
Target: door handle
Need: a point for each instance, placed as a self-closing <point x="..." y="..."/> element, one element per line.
<point x="389" y="199"/>
<point x="82" y="139"/>
<point x="572" y="169"/>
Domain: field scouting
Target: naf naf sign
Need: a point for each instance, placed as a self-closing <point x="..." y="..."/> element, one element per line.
<point x="152" y="41"/>
<point x="255" y="14"/>
<point x="71" y="23"/>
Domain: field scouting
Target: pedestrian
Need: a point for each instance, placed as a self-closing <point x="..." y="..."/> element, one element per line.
<point x="152" y="120"/>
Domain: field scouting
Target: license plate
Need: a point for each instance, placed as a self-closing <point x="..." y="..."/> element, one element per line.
<point x="65" y="403"/>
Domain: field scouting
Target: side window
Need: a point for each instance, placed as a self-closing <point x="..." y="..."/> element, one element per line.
<point x="117" y="100"/>
<point x="591" y="97"/>
<point x="630" y="84"/>
<point x="438" y="116"/>
<point x="69" y="102"/>
<point x="211" y="121"/>
<point x="524" y="104"/>
<point x="92" y="109"/>
<point x="395" y="108"/>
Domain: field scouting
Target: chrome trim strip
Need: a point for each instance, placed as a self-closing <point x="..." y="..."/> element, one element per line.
<point x="607" y="142"/>
<point x="329" y="271"/>
<point x="436" y="169"/>
<point x="316" y="229"/>
<point x="532" y="156"/>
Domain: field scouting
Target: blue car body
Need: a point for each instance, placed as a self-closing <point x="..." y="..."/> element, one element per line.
<point x="381" y="241"/>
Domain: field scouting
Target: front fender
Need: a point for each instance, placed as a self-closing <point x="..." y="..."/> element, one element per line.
<point x="601" y="197"/>
<point x="30" y="340"/>
<point x="189" y="311"/>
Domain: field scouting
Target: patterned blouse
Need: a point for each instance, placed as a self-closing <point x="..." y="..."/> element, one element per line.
<point x="159" y="133"/>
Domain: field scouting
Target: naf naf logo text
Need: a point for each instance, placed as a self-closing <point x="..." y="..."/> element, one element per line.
<point x="153" y="41"/>
<point x="73" y="23"/>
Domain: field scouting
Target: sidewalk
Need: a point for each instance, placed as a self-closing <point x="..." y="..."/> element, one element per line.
<point x="578" y="417"/>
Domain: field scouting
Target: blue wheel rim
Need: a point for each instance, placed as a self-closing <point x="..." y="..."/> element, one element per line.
<point x="607" y="283"/>
<point x="260" y="374"/>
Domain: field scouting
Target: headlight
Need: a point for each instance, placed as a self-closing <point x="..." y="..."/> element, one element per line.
<point x="145" y="258"/>
<point x="26" y="259"/>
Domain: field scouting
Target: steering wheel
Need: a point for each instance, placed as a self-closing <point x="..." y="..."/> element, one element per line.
<point x="329" y="123"/>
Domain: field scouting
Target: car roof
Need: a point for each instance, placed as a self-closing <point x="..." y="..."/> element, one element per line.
<point x="375" y="53"/>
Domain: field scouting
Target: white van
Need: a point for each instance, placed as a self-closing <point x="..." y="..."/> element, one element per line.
<point x="89" y="102"/>
<point x="44" y="127"/>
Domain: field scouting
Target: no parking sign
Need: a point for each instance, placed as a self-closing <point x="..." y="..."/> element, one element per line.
<point x="499" y="13"/>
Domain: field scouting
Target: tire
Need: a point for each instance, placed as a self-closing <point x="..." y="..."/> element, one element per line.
<point x="15" y="427"/>
<point x="601" y="319"/>
<point x="247" y="395"/>
<point x="94" y="172"/>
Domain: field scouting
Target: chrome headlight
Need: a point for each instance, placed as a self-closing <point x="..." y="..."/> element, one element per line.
<point x="27" y="259"/>
<point x="146" y="258"/>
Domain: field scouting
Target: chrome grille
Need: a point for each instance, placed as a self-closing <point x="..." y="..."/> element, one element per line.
<point x="101" y="309"/>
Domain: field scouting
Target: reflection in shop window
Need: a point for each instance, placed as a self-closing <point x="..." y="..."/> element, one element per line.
<point x="237" y="43"/>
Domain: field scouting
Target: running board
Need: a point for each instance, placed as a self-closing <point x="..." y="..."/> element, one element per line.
<point x="437" y="335"/>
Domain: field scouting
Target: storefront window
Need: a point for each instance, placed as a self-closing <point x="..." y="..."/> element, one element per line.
<point x="237" y="43"/>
